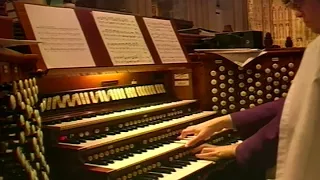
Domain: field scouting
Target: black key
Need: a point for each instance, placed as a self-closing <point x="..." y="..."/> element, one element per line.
<point x="152" y="146"/>
<point x="193" y="159"/>
<point x="181" y="161"/>
<point x="174" y="166"/>
<point x="74" y="141"/>
<point x="103" y="135"/>
<point x="124" y="130"/>
<point x="133" y="127"/>
<point x="90" y="138"/>
<point x="103" y="162"/>
<point x="161" y="170"/>
<point x="155" y="174"/>
<point x="118" y="158"/>
<point x="143" y="178"/>
<point x="150" y="176"/>
<point x="168" y="168"/>
<point x="108" y="160"/>
<point x="137" y="151"/>
<point x="111" y="133"/>
<point x="124" y="156"/>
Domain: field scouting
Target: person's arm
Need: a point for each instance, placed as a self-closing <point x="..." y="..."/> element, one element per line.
<point x="260" y="150"/>
<point x="250" y="121"/>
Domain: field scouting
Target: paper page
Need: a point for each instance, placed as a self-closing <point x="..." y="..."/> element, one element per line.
<point x="253" y="57"/>
<point x="165" y="40"/>
<point x="241" y="57"/>
<point x="63" y="42"/>
<point x="123" y="38"/>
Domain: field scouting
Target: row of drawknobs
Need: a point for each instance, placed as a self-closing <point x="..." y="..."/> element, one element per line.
<point x="22" y="153"/>
<point x="233" y="90"/>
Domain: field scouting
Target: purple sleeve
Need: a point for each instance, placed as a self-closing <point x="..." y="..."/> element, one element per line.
<point x="250" y="121"/>
<point x="260" y="150"/>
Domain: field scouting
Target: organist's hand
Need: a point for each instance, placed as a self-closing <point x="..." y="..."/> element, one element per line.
<point x="215" y="153"/>
<point x="205" y="130"/>
<point x="200" y="132"/>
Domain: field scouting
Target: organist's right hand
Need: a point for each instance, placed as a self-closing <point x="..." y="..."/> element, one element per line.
<point x="205" y="130"/>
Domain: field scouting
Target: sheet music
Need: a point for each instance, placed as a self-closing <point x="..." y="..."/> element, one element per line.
<point x="63" y="42"/>
<point x="165" y="40"/>
<point x="123" y="38"/>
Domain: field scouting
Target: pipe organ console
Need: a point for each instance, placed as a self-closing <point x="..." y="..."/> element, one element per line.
<point x="121" y="122"/>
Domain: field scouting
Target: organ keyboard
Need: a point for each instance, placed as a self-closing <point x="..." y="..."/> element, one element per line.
<point x="109" y="141"/>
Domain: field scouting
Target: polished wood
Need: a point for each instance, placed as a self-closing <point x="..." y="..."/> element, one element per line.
<point x="15" y="65"/>
<point x="25" y="22"/>
<point x="6" y="30"/>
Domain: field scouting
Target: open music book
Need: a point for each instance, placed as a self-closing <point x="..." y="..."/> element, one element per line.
<point x="241" y="57"/>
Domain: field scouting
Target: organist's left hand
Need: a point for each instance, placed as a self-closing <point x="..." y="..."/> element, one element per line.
<point x="215" y="153"/>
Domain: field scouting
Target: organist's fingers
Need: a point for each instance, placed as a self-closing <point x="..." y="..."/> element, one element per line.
<point x="218" y="152"/>
<point x="201" y="147"/>
<point x="212" y="156"/>
<point x="201" y="136"/>
<point x="192" y="130"/>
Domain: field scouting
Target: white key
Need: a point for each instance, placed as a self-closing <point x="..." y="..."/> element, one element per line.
<point x="187" y="170"/>
<point x="89" y="144"/>
<point x="138" y="158"/>
<point x="118" y="115"/>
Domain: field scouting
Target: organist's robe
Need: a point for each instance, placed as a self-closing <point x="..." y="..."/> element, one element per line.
<point x="260" y="127"/>
<point x="299" y="139"/>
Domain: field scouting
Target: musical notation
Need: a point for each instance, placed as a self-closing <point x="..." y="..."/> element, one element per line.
<point x="63" y="42"/>
<point x="165" y="40"/>
<point x="123" y="38"/>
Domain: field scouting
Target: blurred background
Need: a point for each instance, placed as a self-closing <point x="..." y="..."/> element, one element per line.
<point x="215" y="15"/>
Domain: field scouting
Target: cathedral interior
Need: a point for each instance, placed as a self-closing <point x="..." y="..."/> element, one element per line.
<point x="260" y="15"/>
<point x="272" y="16"/>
